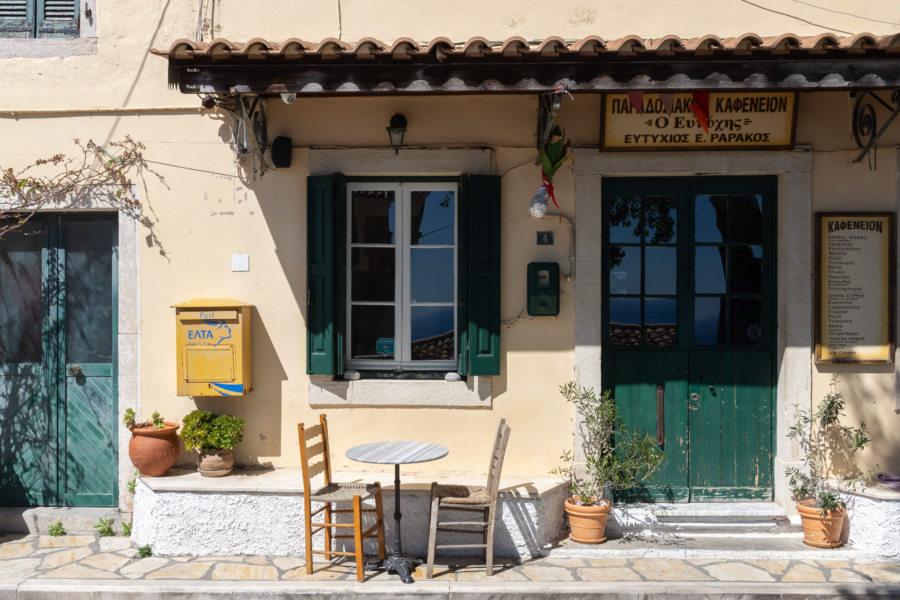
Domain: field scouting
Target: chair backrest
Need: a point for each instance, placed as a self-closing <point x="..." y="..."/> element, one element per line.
<point x="315" y="456"/>
<point x="497" y="454"/>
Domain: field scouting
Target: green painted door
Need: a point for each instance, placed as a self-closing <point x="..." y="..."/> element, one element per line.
<point x="689" y="328"/>
<point x="57" y="362"/>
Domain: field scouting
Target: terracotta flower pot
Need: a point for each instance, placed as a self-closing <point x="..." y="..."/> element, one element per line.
<point x="216" y="463"/>
<point x="819" y="531"/>
<point x="588" y="523"/>
<point x="153" y="451"/>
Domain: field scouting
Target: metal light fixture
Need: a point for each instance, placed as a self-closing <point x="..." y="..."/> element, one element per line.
<point x="397" y="131"/>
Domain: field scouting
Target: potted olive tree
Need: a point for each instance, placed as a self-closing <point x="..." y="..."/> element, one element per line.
<point x="213" y="437"/>
<point x="820" y="434"/>
<point x="616" y="458"/>
<point x="154" y="445"/>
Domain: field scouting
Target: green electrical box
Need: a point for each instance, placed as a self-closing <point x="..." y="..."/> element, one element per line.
<point x="543" y="289"/>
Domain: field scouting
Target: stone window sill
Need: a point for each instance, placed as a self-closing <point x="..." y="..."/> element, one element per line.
<point x="47" y="47"/>
<point x="326" y="392"/>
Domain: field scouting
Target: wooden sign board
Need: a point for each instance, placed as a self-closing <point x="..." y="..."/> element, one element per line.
<point x="855" y="289"/>
<point x="739" y="121"/>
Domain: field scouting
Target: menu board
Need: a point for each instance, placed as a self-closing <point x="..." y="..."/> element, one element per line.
<point x="854" y="288"/>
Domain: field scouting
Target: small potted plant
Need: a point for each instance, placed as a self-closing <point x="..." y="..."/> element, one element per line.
<point x="616" y="458"/>
<point x="154" y="444"/>
<point x="213" y="437"/>
<point x="820" y="434"/>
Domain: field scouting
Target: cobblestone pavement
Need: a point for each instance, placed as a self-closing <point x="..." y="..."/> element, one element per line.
<point x="90" y="557"/>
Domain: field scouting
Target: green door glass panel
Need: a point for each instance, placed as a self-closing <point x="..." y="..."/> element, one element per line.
<point x="689" y="328"/>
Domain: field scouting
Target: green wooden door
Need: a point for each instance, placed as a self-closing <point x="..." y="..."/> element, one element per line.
<point x="57" y="362"/>
<point x="689" y="328"/>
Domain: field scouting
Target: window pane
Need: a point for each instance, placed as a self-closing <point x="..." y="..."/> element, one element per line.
<point x="372" y="217"/>
<point x="660" y="322"/>
<point x="710" y="214"/>
<point x="660" y="271"/>
<point x="431" y="275"/>
<point x="709" y="270"/>
<point x="746" y="218"/>
<point x="709" y="321"/>
<point x="745" y="264"/>
<point x="432" y="332"/>
<point x="625" y="220"/>
<point x="625" y="321"/>
<point x="624" y="270"/>
<point x="660" y="220"/>
<point x="89" y="291"/>
<point x="372" y="274"/>
<point x="432" y="218"/>
<point x="746" y="321"/>
<point x="20" y="294"/>
<point x="372" y="332"/>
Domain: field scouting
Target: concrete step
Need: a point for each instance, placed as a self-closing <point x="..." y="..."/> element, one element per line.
<point x="734" y="518"/>
<point x="75" y="520"/>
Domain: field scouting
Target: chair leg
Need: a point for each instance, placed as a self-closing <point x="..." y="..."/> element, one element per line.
<point x="432" y="536"/>
<point x="489" y="543"/>
<point x="309" y="555"/>
<point x="358" y="540"/>
<point x="379" y="516"/>
<point x="328" y="532"/>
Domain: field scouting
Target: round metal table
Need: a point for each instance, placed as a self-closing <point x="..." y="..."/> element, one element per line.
<point x="397" y="453"/>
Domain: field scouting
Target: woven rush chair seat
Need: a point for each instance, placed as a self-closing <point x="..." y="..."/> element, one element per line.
<point x="344" y="492"/>
<point x="481" y="500"/>
<point x="315" y="458"/>
<point x="462" y="494"/>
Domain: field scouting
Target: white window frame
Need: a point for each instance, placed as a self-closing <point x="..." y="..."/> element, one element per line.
<point x="402" y="283"/>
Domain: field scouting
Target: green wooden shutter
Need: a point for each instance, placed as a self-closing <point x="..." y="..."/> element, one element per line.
<point x="57" y="18"/>
<point x="16" y="18"/>
<point x="462" y="278"/>
<point x="320" y="275"/>
<point x="483" y="277"/>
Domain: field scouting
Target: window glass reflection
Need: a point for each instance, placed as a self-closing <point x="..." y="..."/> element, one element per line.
<point x="372" y="274"/>
<point x="372" y="217"/>
<point x="625" y="321"/>
<point x="625" y="220"/>
<point x="709" y="321"/>
<point x="20" y="293"/>
<point x="660" y="271"/>
<point x="372" y="332"/>
<point x="746" y="321"/>
<point x="89" y="306"/>
<point x="432" y="218"/>
<point x="745" y="265"/>
<point x="709" y="270"/>
<point x="431" y="275"/>
<point x="432" y="333"/>
<point x="625" y="270"/>
<point x="660" y="220"/>
<point x="745" y="211"/>
<point x="661" y="322"/>
<point x="710" y="218"/>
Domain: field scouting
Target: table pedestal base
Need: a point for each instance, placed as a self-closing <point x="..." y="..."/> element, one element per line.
<point x="401" y="565"/>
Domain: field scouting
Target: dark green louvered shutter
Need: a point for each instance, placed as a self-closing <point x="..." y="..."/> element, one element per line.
<point x="324" y="285"/>
<point x="482" y="279"/>
<point x="16" y="18"/>
<point x="57" y="18"/>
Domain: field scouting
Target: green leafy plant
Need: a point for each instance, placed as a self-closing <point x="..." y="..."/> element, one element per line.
<point x="616" y="458"/>
<point x="131" y="485"/>
<point x="820" y="434"/>
<point x="57" y="529"/>
<point x="207" y="432"/>
<point x="129" y="418"/>
<point x="554" y="152"/>
<point x="145" y="552"/>
<point x="126" y="529"/>
<point x="104" y="527"/>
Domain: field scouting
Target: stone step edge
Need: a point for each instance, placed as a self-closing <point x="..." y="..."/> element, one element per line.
<point x="75" y="520"/>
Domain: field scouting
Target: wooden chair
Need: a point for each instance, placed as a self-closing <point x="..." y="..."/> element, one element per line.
<point x="469" y="498"/>
<point x="331" y="493"/>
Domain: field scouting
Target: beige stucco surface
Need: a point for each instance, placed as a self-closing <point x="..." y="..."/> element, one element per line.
<point x="202" y="213"/>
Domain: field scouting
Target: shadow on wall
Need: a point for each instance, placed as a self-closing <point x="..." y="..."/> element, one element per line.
<point x="261" y="408"/>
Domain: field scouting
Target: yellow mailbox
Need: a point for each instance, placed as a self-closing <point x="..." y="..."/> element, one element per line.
<point x="213" y="337"/>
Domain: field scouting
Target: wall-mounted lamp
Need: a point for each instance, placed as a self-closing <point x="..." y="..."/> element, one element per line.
<point x="397" y="131"/>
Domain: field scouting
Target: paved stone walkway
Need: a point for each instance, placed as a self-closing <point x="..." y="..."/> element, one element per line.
<point x="90" y="557"/>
